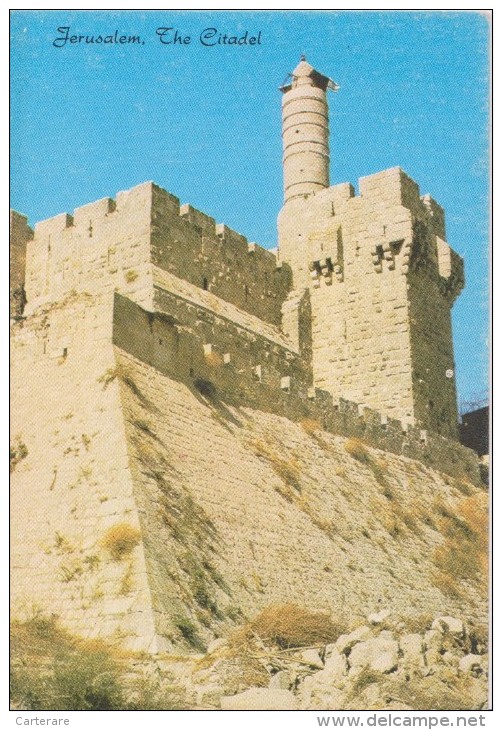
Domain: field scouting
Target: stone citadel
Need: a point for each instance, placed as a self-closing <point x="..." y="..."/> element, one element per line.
<point x="133" y="301"/>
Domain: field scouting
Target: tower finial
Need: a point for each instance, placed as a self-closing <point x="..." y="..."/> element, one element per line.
<point x="303" y="57"/>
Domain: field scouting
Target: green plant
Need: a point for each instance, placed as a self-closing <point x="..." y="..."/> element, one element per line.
<point x="364" y="679"/>
<point x="108" y="377"/>
<point x="120" y="540"/>
<point x="360" y="453"/>
<point x="70" y="570"/>
<point x="189" y="632"/>
<point x="463" y="555"/>
<point x="126" y="581"/>
<point x="155" y="693"/>
<point x="50" y="670"/>
<point x="288" y="470"/>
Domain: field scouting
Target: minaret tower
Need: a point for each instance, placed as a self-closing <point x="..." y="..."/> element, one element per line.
<point x="305" y="131"/>
<point x="373" y="276"/>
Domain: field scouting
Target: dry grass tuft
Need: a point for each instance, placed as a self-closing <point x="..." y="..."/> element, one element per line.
<point x="288" y="626"/>
<point x="131" y="275"/>
<point x="358" y="451"/>
<point x="288" y="470"/>
<point x="463" y="555"/>
<point x="120" y="540"/>
<point x="378" y="467"/>
<point x="213" y="359"/>
<point x="52" y="670"/>
<point x="310" y="426"/>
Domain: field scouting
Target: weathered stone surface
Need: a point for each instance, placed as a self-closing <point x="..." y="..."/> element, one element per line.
<point x="449" y="624"/>
<point x="281" y="680"/>
<point x="433" y="639"/>
<point x="412" y="648"/>
<point x="216" y="645"/>
<point x="471" y="663"/>
<point x="378" y="618"/>
<point x="257" y="698"/>
<point x="312" y="658"/>
<point x="345" y="642"/>
<point x="379" y="654"/>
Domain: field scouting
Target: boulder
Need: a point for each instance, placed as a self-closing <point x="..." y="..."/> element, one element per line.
<point x="449" y="624"/>
<point x="345" y="642"/>
<point x="378" y="618"/>
<point x="259" y="698"/>
<point x="450" y="658"/>
<point x="281" y="680"/>
<point x="412" y="649"/>
<point x="312" y="658"/>
<point x="471" y="664"/>
<point x="333" y="674"/>
<point x="330" y="649"/>
<point x="379" y="654"/>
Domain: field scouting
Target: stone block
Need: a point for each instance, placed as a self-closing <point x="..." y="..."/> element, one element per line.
<point x="258" y="698"/>
<point x="286" y="383"/>
<point x="345" y="642"/>
<point x="449" y="625"/>
<point x="379" y="654"/>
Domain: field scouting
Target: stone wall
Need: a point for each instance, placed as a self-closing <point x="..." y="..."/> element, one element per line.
<point x="20" y="234"/>
<point x="113" y="243"/>
<point x="188" y="244"/>
<point x="230" y="364"/>
<point x="219" y="472"/>
<point x="104" y="246"/>
<point x="71" y="482"/>
<point x="382" y="281"/>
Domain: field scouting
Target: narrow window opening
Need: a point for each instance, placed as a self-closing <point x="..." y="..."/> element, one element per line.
<point x="205" y="284"/>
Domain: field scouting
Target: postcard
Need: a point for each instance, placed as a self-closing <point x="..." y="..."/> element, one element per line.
<point x="249" y="277"/>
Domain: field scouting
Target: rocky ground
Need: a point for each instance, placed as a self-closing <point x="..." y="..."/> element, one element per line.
<point x="442" y="667"/>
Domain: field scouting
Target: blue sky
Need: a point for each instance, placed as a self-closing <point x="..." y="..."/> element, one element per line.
<point x="204" y="122"/>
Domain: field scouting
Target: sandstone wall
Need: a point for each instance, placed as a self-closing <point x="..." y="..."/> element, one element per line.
<point x="71" y="481"/>
<point x="382" y="281"/>
<point x="241" y="508"/>
<point x="112" y="243"/>
<point x="225" y="360"/>
<point x="20" y="234"/>
<point x="102" y="247"/>
<point x="188" y="244"/>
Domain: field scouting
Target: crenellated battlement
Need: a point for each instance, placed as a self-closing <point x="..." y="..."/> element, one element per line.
<point x="163" y="362"/>
<point x="361" y="287"/>
<point x="229" y="364"/>
<point x="113" y="244"/>
<point x="382" y="281"/>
